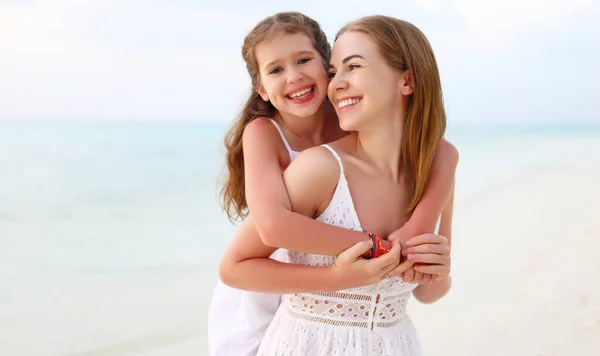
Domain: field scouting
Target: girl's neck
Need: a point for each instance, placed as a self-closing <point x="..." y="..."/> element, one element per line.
<point x="320" y="128"/>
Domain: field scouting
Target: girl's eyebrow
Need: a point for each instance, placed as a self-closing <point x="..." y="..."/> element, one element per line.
<point x="299" y="53"/>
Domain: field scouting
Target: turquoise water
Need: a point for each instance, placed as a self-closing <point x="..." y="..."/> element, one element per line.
<point x="125" y="198"/>
<point x="106" y="199"/>
<point x="106" y="215"/>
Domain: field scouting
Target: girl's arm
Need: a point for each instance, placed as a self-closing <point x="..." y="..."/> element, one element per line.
<point x="269" y="204"/>
<point x="311" y="180"/>
<point x="246" y="265"/>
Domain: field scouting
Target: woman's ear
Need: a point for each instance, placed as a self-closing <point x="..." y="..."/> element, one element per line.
<point x="406" y="83"/>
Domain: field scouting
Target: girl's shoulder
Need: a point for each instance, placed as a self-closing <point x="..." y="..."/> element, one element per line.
<point x="261" y="137"/>
<point x="260" y="126"/>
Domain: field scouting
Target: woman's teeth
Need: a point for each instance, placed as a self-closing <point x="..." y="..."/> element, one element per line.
<point x="347" y="102"/>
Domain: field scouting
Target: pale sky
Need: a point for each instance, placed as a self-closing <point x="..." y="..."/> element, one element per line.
<point x="500" y="60"/>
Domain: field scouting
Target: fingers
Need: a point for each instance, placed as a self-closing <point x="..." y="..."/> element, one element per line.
<point x="440" y="249"/>
<point x="433" y="269"/>
<point x="386" y="263"/>
<point x="429" y="258"/>
<point x="414" y="275"/>
<point x="426" y="239"/>
<point x="395" y="251"/>
<point x="421" y="278"/>
<point x="383" y="263"/>
<point x="355" y="252"/>
<point x="390" y="260"/>
<point x="398" y="270"/>
<point x="409" y="275"/>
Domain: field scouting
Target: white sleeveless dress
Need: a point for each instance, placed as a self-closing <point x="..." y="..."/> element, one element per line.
<point x="364" y="321"/>
<point x="237" y="319"/>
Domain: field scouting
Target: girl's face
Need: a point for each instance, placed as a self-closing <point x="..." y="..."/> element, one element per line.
<point x="292" y="74"/>
<point x="364" y="88"/>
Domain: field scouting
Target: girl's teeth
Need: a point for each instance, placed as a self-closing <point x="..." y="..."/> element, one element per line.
<point x="301" y="94"/>
<point x="347" y="102"/>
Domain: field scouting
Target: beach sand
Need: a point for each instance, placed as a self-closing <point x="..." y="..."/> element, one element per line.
<point x="525" y="282"/>
<point x="525" y="270"/>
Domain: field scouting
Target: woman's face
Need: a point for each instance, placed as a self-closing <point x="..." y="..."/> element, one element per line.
<point x="363" y="87"/>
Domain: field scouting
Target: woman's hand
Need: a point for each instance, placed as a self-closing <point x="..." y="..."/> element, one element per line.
<point x="430" y="254"/>
<point x="351" y="270"/>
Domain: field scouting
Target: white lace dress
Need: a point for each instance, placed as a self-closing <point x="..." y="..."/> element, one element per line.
<point x="369" y="320"/>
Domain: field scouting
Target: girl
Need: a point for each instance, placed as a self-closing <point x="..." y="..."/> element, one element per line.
<point x="386" y="90"/>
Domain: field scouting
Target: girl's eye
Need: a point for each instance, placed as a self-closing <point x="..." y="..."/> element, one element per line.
<point x="304" y="60"/>
<point x="275" y="70"/>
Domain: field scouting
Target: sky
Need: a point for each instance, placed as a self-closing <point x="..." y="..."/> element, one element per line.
<point x="175" y="60"/>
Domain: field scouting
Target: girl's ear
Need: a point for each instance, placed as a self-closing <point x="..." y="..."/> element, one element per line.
<point x="263" y="94"/>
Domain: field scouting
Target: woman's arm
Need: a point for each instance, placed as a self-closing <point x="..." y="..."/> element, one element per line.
<point x="435" y="197"/>
<point x="269" y="203"/>
<point x="430" y="293"/>
<point x="311" y="180"/>
<point x="425" y="216"/>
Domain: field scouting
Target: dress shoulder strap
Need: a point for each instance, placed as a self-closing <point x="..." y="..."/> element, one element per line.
<point x="285" y="142"/>
<point x="337" y="157"/>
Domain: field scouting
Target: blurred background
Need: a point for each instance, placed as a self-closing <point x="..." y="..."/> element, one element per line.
<point x="112" y="118"/>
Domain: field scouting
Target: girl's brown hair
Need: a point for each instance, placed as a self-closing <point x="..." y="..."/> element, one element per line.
<point x="405" y="47"/>
<point x="233" y="192"/>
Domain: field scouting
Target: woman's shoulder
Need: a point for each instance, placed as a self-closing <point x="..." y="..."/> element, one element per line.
<point x="319" y="158"/>
<point x="445" y="160"/>
<point x="311" y="179"/>
<point x="447" y="153"/>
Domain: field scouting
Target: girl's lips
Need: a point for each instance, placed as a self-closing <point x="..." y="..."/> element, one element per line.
<point x="304" y="99"/>
<point x="300" y="89"/>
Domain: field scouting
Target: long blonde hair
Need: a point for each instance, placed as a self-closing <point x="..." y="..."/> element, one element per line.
<point x="233" y="192"/>
<point x="405" y="47"/>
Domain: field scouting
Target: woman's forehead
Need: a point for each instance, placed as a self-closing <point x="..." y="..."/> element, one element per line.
<point x="352" y="43"/>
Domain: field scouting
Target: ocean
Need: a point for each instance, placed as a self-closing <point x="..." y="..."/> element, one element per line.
<point x="110" y="233"/>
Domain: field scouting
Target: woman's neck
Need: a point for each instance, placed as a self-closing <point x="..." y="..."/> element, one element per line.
<point x="380" y="145"/>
